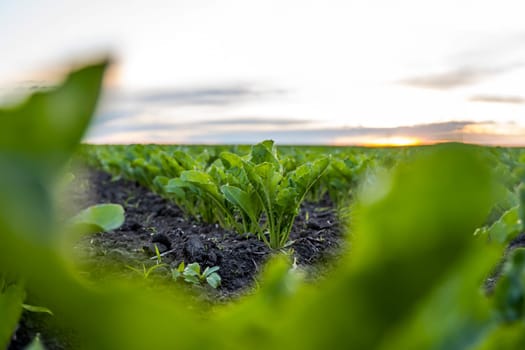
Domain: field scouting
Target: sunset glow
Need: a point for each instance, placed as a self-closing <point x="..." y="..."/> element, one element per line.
<point x="396" y="141"/>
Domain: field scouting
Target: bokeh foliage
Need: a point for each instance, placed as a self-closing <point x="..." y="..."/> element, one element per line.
<point x="412" y="278"/>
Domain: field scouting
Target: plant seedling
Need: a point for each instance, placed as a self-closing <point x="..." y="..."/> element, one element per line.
<point x="192" y="274"/>
<point x="146" y="272"/>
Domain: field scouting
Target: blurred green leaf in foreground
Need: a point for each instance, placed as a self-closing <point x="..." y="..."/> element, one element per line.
<point x="411" y="280"/>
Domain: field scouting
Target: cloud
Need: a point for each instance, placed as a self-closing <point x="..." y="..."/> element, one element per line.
<point x="434" y="132"/>
<point x="498" y="99"/>
<point x="492" y="133"/>
<point x="446" y="80"/>
<point x="430" y="128"/>
<point x="119" y="105"/>
<point x="239" y="125"/>
<point x="244" y="132"/>
<point x="212" y="95"/>
<point x="458" y="77"/>
<point x="256" y="121"/>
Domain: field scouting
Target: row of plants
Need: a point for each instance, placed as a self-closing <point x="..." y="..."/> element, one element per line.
<point x="250" y="189"/>
<point x="259" y="189"/>
<point x="410" y="281"/>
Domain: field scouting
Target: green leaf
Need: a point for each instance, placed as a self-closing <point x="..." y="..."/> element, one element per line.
<point x="177" y="187"/>
<point x="170" y="166"/>
<point x="160" y="183"/>
<point x="151" y="269"/>
<point x="265" y="152"/>
<point x="37" y="309"/>
<point x="192" y="279"/>
<point x="11" y="299"/>
<point x="509" y="295"/>
<point x="98" y="218"/>
<point x="287" y="198"/>
<point x="52" y="122"/>
<point x="209" y="270"/>
<point x="231" y="160"/>
<point x="181" y="267"/>
<point x="307" y="174"/>
<point x="265" y="175"/>
<point x="521" y="196"/>
<point x="202" y="180"/>
<point x="25" y="200"/>
<point x="505" y="228"/>
<point x="342" y="168"/>
<point x="36" y="344"/>
<point x="192" y="273"/>
<point x="192" y="269"/>
<point x="242" y="199"/>
<point x="178" y="272"/>
<point x="259" y="178"/>
<point x="185" y="160"/>
<point x="175" y="274"/>
<point x="411" y="229"/>
<point x="214" y="280"/>
<point x="507" y="337"/>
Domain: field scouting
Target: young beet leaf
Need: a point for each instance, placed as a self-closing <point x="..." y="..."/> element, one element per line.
<point x="510" y="224"/>
<point x="292" y="194"/>
<point x="204" y="185"/>
<point x="265" y="152"/>
<point x="506" y="228"/>
<point x="211" y="276"/>
<point x="239" y="192"/>
<point x="97" y="218"/>
<point x="231" y="160"/>
<point x="248" y="205"/>
<point x="192" y="274"/>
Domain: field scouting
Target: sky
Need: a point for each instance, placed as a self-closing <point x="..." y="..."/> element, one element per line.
<point x="300" y="72"/>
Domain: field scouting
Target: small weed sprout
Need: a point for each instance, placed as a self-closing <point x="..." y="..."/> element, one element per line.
<point x="146" y="272"/>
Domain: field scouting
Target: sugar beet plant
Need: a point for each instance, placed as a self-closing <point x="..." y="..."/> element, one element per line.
<point x="278" y="193"/>
<point x="253" y="194"/>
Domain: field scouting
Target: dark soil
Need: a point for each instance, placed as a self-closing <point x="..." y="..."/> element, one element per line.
<point x="316" y="239"/>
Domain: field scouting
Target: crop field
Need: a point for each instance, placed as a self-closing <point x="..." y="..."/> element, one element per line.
<point x="259" y="246"/>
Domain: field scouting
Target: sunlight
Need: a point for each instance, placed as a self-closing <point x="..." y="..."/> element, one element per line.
<point x="394" y="141"/>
